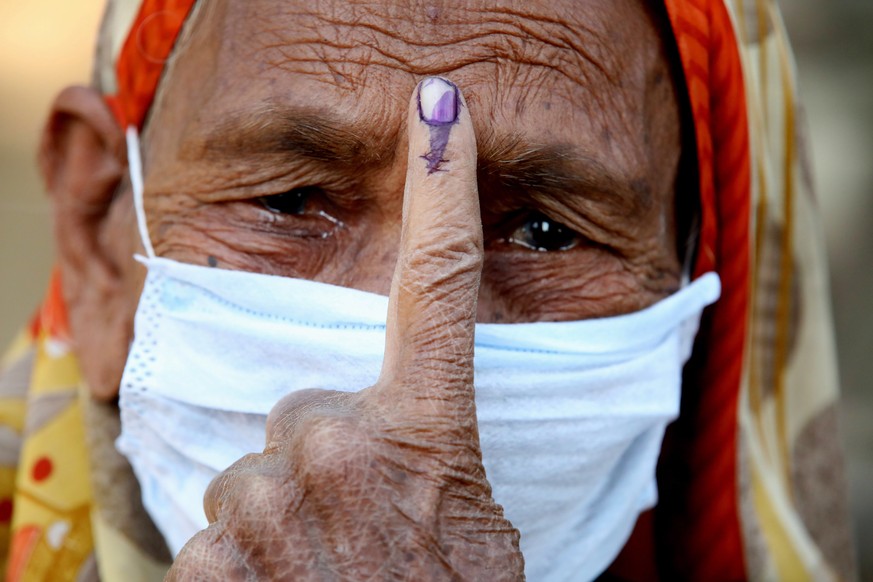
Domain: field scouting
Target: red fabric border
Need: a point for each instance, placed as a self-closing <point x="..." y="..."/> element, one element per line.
<point x="704" y="529"/>
<point x="697" y="534"/>
<point x="51" y="317"/>
<point x="144" y="55"/>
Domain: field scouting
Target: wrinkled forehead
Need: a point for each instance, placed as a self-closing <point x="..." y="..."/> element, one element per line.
<point x="346" y="41"/>
<point x="589" y="62"/>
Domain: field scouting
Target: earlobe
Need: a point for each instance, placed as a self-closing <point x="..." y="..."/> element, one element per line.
<point x="83" y="160"/>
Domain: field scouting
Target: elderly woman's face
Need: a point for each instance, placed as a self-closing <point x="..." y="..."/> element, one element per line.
<point x="279" y="145"/>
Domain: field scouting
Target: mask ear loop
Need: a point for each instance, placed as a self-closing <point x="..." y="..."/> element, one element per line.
<point x="134" y="164"/>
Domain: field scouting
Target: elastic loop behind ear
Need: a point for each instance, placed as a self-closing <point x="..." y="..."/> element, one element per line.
<point x="134" y="164"/>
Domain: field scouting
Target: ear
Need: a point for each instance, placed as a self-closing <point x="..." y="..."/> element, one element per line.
<point x="83" y="161"/>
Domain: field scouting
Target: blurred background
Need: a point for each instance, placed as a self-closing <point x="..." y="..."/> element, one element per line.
<point x="834" y="50"/>
<point x="47" y="44"/>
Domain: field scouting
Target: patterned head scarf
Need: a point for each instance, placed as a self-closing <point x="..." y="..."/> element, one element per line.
<point x="750" y="477"/>
<point x="135" y="42"/>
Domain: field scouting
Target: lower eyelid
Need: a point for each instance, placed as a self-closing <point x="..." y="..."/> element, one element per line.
<point x="315" y="223"/>
<point x="518" y="242"/>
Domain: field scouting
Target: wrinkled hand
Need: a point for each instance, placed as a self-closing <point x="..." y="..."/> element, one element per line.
<point x="387" y="483"/>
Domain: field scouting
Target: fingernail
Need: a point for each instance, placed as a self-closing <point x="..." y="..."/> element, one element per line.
<point x="438" y="101"/>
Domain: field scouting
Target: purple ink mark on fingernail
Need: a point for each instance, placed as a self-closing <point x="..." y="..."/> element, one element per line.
<point x="438" y="106"/>
<point x="438" y="101"/>
<point x="446" y="109"/>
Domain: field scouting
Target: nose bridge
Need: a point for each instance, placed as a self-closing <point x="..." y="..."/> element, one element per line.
<point x="369" y="265"/>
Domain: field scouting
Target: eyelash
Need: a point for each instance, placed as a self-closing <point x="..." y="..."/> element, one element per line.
<point x="538" y="232"/>
<point x="277" y="202"/>
<point x="297" y="202"/>
<point x="533" y="231"/>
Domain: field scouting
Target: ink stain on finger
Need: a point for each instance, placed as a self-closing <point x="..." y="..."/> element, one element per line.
<point x="438" y="106"/>
<point x="439" y="139"/>
<point x="211" y="261"/>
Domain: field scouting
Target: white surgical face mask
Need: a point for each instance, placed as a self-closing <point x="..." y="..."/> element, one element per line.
<point x="571" y="415"/>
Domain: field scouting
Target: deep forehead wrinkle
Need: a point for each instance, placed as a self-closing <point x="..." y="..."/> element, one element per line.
<point x="422" y="40"/>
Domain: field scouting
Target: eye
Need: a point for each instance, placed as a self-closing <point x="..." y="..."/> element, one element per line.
<point x="290" y="202"/>
<point x="541" y="233"/>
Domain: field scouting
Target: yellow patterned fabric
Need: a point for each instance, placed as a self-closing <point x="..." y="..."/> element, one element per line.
<point x="52" y="524"/>
<point x="44" y="476"/>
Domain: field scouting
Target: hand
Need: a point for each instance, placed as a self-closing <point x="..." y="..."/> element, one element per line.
<point x="386" y="483"/>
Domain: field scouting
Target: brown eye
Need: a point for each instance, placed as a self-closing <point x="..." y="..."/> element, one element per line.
<point x="290" y="202"/>
<point x="541" y="233"/>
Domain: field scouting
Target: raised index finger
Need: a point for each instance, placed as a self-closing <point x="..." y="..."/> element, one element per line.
<point x="432" y="307"/>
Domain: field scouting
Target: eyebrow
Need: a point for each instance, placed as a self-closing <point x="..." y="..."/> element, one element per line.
<point x="558" y="171"/>
<point x="294" y="132"/>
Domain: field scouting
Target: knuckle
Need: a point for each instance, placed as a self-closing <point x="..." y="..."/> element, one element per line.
<point x="254" y="492"/>
<point x="332" y="449"/>
<point x="443" y="254"/>
<point x="443" y="273"/>
<point x="286" y="415"/>
<point x="209" y="555"/>
<point x="248" y="481"/>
